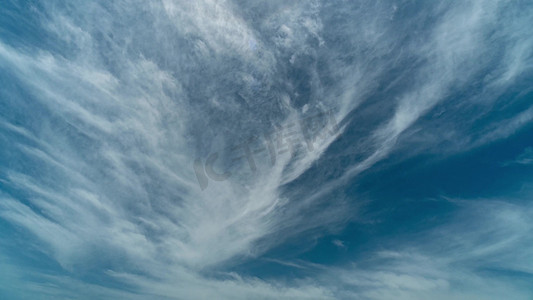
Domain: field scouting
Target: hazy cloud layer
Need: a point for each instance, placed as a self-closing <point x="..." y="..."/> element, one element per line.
<point x="110" y="112"/>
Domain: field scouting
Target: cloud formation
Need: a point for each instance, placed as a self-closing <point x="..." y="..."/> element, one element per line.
<point x="106" y="106"/>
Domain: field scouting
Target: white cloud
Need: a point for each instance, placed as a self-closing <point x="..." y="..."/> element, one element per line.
<point x="117" y="118"/>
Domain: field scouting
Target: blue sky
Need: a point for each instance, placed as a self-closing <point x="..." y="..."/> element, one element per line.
<point x="266" y="149"/>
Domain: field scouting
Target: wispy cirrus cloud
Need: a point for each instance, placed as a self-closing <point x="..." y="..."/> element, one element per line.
<point x="100" y="132"/>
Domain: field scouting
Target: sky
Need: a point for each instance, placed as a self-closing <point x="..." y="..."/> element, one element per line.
<point x="213" y="149"/>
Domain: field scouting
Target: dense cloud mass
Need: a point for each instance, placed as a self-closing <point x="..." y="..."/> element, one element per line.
<point x="214" y="149"/>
